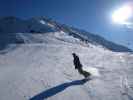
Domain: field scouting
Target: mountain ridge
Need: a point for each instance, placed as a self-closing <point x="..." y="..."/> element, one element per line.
<point x="10" y="25"/>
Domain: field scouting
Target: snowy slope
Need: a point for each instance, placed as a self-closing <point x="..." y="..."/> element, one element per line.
<point x="41" y="67"/>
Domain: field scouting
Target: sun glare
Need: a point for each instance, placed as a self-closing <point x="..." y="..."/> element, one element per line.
<point x="121" y="15"/>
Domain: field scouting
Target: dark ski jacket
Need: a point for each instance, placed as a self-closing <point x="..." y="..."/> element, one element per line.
<point x="76" y="61"/>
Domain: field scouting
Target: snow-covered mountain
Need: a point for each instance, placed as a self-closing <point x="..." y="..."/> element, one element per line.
<point x="9" y="26"/>
<point x="36" y="63"/>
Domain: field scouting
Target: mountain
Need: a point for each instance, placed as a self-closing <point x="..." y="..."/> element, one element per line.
<point x="36" y="63"/>
<point x="9" y="26"/>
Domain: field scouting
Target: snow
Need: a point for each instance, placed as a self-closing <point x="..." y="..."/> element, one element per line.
<point x="42" y="22"/>
<point x="42" y="68"/>
<point x="93" y="71"/>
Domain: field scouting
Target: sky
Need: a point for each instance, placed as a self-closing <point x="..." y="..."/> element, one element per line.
<point x="91" y="15"/>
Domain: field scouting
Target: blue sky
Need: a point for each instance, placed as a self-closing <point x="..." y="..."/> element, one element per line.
<point x="91" y="15"/>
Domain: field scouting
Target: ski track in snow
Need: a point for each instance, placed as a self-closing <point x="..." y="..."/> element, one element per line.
<point x="42" y="68"/>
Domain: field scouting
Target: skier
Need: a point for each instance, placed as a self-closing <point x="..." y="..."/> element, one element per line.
<point x="79" y="66"/>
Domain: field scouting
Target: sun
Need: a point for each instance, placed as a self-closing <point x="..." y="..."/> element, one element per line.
<point x="121" y="15"/>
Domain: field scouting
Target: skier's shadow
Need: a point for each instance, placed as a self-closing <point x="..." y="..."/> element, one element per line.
<point x="54" y="90"/>
<point x="130" y="97"/>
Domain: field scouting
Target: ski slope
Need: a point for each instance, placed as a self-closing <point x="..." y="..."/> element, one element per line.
<point x="42" y="69"/>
